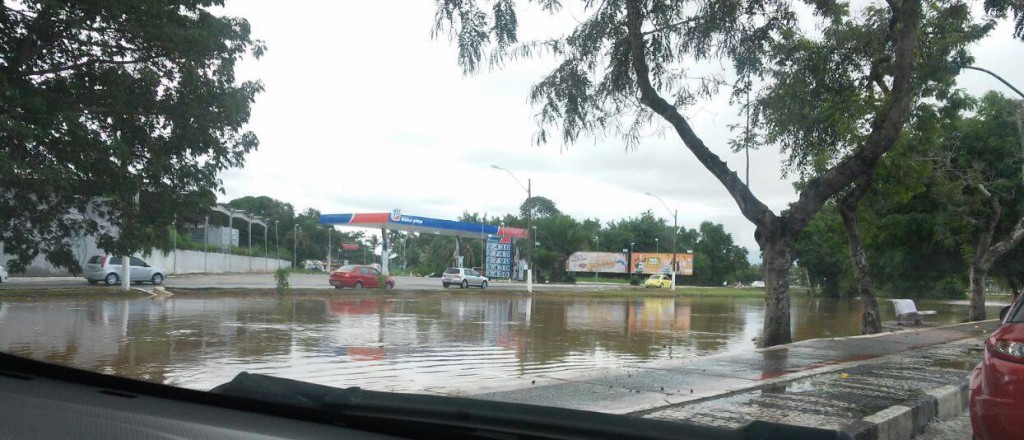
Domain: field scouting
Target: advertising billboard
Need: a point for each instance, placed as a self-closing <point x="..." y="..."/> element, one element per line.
<point x="498" y="257"/>
<point x="604" y="262"/>
<point x="652" y="263"/>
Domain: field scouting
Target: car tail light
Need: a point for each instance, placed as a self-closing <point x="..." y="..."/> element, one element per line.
<point x="103" y="263"/>
<point x="1007" y="350"/>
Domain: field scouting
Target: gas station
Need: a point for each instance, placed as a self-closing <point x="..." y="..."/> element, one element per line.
<point x="501" y="236"/>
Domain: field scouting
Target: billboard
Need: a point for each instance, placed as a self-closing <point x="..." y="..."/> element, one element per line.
<point x="606" y="262"/>
<point x="498" y="257"/>
<point x="652" y="263"/>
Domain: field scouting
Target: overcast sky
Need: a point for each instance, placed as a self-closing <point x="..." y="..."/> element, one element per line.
<point x="363" y="112"/>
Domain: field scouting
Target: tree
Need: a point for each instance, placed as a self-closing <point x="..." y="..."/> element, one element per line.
<point x="119" y="111"/>
<point x="717" y="258"/>
<point x="626" y="54"/>
<point x="983" y="162"/>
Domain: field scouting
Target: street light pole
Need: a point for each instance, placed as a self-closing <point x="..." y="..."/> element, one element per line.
<point x="250" y="242"/>
<point x="529" y="226"/>
<point x="675" y="232"/>
<point x="295" y="245"/>
<point x="266" y="248"/>
<point x="1020" y="122"/>
<point x="657" y="245"/>
<point x="277" y="241"/>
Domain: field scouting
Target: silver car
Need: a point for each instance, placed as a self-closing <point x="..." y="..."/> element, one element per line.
<point x="463" y="277"/>
<point x="107" y="268"/>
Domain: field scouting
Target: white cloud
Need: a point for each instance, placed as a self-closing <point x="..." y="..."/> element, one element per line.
<point x="363" y="112"/>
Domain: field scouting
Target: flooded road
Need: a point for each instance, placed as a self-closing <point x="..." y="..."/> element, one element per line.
<point x="403" y="342"/>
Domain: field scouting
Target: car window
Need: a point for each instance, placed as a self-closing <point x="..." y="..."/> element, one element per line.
<point x="472" y="273"/>
<point x="137" y="262"/>
<point x="364" y="271"/>
<point x="374" y="272"/>
<point x="348" y="268"/>
<point x="95" y="259"/>
<point x="453" y="271"/>
<point x="1018" y="315"/>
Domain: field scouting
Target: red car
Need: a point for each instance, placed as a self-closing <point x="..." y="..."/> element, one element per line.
<point x="358" y="277"/>
<point x="997" y="383"/>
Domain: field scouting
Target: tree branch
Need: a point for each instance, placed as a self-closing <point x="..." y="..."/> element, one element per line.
<point x="752" y="208"/>
<point x="885" y="128"/>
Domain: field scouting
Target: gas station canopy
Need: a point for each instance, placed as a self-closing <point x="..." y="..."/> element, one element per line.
<point x="401" y="222"/>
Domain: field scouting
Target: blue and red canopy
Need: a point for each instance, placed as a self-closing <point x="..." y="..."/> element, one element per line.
<point x="402" y="222"/>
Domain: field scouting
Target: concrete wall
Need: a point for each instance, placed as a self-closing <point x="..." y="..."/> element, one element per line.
<point x="174" y="262"/>
<point x="179" y="261"/>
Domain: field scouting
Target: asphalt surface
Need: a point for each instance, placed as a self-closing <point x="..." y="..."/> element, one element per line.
<point x="297" y="280"/>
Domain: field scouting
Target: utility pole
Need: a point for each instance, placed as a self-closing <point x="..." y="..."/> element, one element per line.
<point x="675" y="232"/>
<point x="266" y="248"/>
<point x="250" y="242"/>
<point x="295" y="252"/>
<point x="277" y="241"/>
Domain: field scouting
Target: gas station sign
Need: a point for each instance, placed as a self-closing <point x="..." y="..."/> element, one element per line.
<point x="498" y="257"/>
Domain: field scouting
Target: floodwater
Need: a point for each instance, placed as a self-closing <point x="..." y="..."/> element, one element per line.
<point x="402" y="342"/>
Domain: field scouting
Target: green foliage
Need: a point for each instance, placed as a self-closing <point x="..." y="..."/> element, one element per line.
<point x="717" y="259"/>
<point x="635" y="280"/>
<point x="382" y="281"/>
<point x="281" y="279"/>
<point x="822" y="250"/>
<point x="120" y="112"/>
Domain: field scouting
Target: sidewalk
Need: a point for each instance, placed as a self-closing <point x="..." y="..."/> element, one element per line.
<point x="879" y="386"/>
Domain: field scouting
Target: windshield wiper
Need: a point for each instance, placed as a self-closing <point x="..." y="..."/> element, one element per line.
<point x="404" y="414"/>
<point x="412" y="416"/>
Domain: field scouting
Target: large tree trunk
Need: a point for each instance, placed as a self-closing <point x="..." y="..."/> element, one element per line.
<point x="870" y="321"/>
<point x="776" y="246"/>
<point x="977" y="275"/>
<point x="776" y="252"/>
<point x="987" y="253"/>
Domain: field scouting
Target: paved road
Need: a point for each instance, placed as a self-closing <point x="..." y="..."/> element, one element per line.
<point x="304" y="281"/>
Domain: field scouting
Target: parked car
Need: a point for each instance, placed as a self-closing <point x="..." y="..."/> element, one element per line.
<point x="997" y="383"/>
<point x="3" y="274"/>
<point x="759" y="284"/>
<point x="659" y="280"/>
<point x="463" y="277"/>
<point x="314" y="265"/>
<point x="358" y="277"/>
<point x="107" y="268"/>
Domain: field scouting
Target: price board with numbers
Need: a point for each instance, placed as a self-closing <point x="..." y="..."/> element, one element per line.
<point x="498" y="257"/>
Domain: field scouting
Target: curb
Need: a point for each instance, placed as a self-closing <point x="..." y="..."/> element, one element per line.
<point x="902" y="422"/>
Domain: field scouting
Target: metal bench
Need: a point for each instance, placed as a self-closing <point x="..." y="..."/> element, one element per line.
<point x="907" y="313"/>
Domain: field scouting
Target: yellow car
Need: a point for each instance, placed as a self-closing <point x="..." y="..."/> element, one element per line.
<point x="659" y="280"/>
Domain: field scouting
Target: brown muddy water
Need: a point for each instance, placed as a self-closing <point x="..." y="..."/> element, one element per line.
<point x="402" y="342"/>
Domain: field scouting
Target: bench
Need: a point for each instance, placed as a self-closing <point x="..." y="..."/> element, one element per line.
<point x="907" y="313"/>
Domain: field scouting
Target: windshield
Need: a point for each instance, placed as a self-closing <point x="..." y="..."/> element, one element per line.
<point x="618" y="206"/>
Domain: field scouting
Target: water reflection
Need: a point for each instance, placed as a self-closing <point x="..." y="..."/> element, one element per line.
<point x="405" y="343"/>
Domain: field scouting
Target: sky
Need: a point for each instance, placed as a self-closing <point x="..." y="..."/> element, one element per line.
<point x="364" y="112"/>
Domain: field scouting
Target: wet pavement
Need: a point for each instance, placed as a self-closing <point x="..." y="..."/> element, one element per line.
<point x="833" y="384"/>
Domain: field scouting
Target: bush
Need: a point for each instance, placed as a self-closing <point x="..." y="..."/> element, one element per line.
<point x="634" y="281"/>
<point x="281" y="278"/>
<point x="382" y="281"/>
<point x="571" y="279"/>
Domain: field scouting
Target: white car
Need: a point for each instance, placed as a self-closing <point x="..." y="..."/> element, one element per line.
<point x="107" y="268"/>
<point x="3" y="274"/>
<point x="463" y="277"/>
<point x="757" y="284"/>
